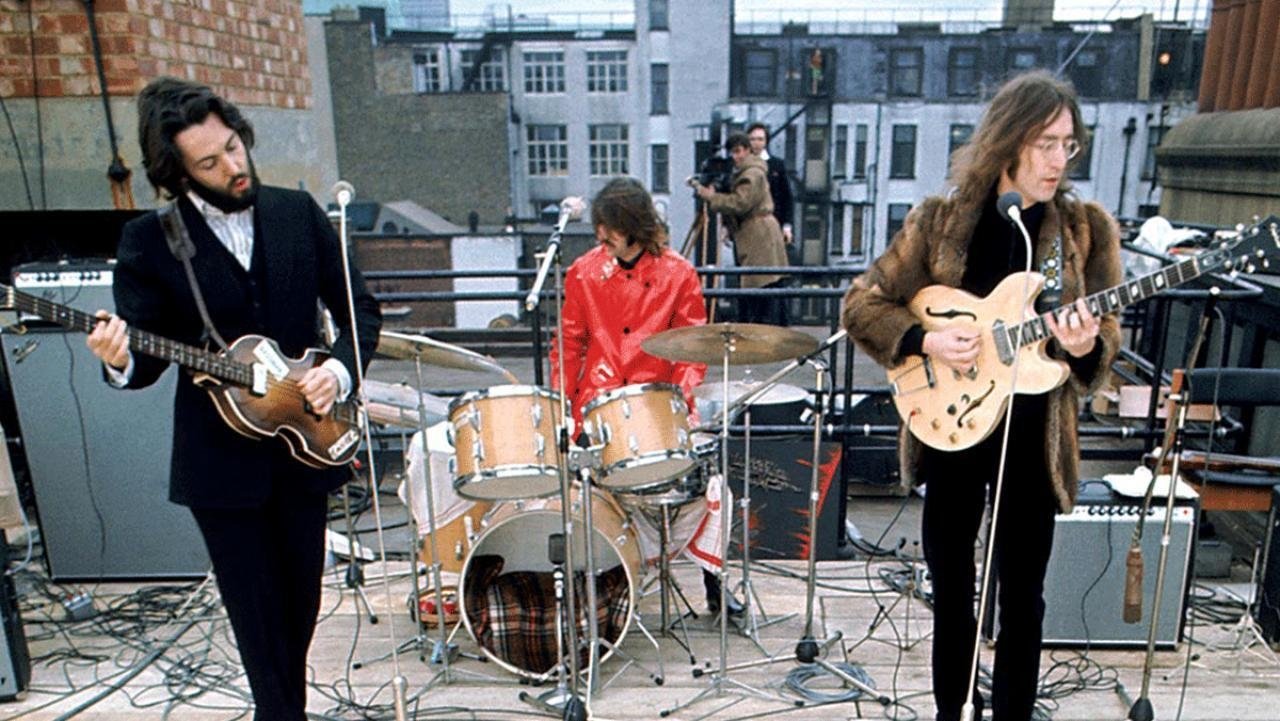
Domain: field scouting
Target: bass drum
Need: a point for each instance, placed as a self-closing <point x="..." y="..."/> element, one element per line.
<point x="508" y="587"/>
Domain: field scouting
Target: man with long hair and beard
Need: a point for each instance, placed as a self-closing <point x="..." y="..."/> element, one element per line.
<point x="264" y="258"/>
<point x="1026" y="142"/>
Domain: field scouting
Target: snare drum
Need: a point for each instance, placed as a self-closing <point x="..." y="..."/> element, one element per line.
<point x="508" y="595"/>
<point x="678" y="491"/>
<point x="645" y="432"/>
<point x="505" y="443"/>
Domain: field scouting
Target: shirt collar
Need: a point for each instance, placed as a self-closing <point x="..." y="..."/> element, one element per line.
<point x="211" y="212"/>
<point x="764" y="155"/>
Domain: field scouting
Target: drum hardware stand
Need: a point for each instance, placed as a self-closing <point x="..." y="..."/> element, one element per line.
<point x="753" y="608"/>
<point x="557" y="699"/>
<point x="670" y="591"/>
<point x="720" y="680"/>
<point x="808" y="649"/>
<point x="354" y="575"/>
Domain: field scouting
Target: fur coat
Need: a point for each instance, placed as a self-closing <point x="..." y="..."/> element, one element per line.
<point x="932" y="248"/>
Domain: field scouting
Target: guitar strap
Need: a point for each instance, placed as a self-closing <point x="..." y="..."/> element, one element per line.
<point x="175" y="232"/>
<point x="1051" y="268"/>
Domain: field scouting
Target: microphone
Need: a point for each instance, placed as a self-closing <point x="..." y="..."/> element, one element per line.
<point x="1133" y="585"/>
<point x="570" y="209"/>
<point x="343" y="192"/>
<point x="1010" y="206"/>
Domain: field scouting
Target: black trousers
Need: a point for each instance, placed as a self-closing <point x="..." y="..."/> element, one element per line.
<point x="767" y="310"/>
<point x="269" y="561"/>
<point x="954" y="501"/>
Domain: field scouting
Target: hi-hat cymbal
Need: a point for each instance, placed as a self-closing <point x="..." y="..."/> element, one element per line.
<point x="747" y="343"/>
<point x="403" y="346"/>
<point x="777" y="395"/>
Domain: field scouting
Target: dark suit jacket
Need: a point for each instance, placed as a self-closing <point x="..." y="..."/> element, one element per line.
<point x="780" y="190"/>
<point x="212" y="465"/>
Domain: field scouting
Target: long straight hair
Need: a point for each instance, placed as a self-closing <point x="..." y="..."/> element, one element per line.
<point x="1022" y="108"/>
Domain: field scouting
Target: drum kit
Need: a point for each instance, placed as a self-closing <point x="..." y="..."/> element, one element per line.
<point x="488" y="472"/>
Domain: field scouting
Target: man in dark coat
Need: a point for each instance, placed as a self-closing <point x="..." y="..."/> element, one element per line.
<point x="779" y="181"/>
<point x="265" y="257"/>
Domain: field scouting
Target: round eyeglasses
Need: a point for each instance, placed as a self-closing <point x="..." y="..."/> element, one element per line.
<point x="1070" y="146"/>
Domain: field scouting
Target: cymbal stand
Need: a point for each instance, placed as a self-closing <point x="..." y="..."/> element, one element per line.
<point x="354" y="575"/>
<point x="808" y="649"/>
<point x="752" y="607"/>
<point x="669" y="590"/>
<point x="720" y="681"/>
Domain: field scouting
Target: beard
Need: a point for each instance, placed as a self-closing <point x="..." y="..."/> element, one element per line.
<point x="223" y="199"/>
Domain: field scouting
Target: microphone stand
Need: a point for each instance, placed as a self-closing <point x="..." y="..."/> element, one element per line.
<point x="1141" y="710"/>
<point x="399" y="684"/>
<point x="571" y="705"/>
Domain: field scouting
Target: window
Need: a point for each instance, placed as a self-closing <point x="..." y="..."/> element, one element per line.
<point x="1082" y="163"/>
<point x="607" y="71"/>
<point x="659" y="89"/>
<point x="492" y="76"/>
<point x="1155" y="134"/>
<point x="962" y="72"/>
<point x="837" y="229"/>
<point x="902" y="164"/>
<point x="760" y="72"/>
<point x="658" y="15"/>
<point x="548" y="150"/>
<point x="905" y="72"/>
<point x="659" y="169"/>
<point x="608" y="146"/>
<point x="860" y="152"/>
<point x="1086" y="72"/>
<point x="427" y="76"/>
<point x="840" y="161"/>
<point x="957" y="136"/>
<point x="1021" y="59"/>
<point x="544" y="72"/>
<point x="856" y="215"/>
<point x="897" y="216"/>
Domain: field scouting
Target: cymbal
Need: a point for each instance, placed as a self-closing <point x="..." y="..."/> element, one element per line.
<point x="404" y="346"/>
<point x="779" y="394"/>
<point x="748" y="343"/>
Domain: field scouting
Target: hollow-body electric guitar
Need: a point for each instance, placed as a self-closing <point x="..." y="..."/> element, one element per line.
<point x="253" y="384"/>
<point x="952" y="410"/>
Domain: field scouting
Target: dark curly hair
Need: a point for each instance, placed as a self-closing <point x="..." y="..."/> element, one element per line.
<point x="166" y="107"/>
<point x="625" y="206"/>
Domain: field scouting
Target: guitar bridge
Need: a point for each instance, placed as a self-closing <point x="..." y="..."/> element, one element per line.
<point x="913" y="377"/>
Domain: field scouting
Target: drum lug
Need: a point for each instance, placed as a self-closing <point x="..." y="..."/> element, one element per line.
<point x="634" y="444"/>
<point x="606" y="432"/>
<point x="453" y="466"/>
<point x="682" y="437"/>
<point x="474" y="418"/>
<point x="536" y="411"/>
<point x="540" y="446"/>
<point x="477" y="449"/>
<point x="589" y="428"/>
<point x="449" y="434"/>
<point x="626" y="409"/>
<point x="677" y="405"/>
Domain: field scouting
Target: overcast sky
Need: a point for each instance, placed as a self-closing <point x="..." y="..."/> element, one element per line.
<point x="1066" y="9"/>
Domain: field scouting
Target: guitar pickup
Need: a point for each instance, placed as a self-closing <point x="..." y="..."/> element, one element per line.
<point x="259" y="387"/>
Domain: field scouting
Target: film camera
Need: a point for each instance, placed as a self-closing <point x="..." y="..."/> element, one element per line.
<point x="715" y="172"/>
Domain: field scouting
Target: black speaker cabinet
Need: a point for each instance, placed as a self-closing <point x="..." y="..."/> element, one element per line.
<point x="781" y="476"/>
<point x="15" y="660"/>
<point x="1266" y="609"/>
<point x="98" y="457"/>
<point x="1084" y="584"/>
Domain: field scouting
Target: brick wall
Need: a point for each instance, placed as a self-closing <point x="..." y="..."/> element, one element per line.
<point x="253" y="52"/>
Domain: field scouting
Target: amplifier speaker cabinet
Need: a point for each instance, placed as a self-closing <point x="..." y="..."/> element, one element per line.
<point x="1266" y="609"/>
<point x="15" y="660"/>
<point x="781" y="476"/>
<point x="1084" y="584"/>
<point x="97" y="457"/>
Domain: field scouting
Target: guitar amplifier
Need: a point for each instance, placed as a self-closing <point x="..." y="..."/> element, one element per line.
<point x="97" y="457"/>
<point x="82" y="284"/>
<point x="1084" y="584"/>
<point x="1266" y="609"/>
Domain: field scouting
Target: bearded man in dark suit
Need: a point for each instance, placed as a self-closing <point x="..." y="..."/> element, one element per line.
<point x="264" y="259"/>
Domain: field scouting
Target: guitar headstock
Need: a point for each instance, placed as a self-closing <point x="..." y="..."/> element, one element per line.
<point x="1251" y="249"/>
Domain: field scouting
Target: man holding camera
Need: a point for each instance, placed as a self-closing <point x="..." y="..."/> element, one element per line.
<point x="757" y="237"/>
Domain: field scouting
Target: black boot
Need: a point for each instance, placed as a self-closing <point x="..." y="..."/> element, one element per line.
<point x="712" y="585"/>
